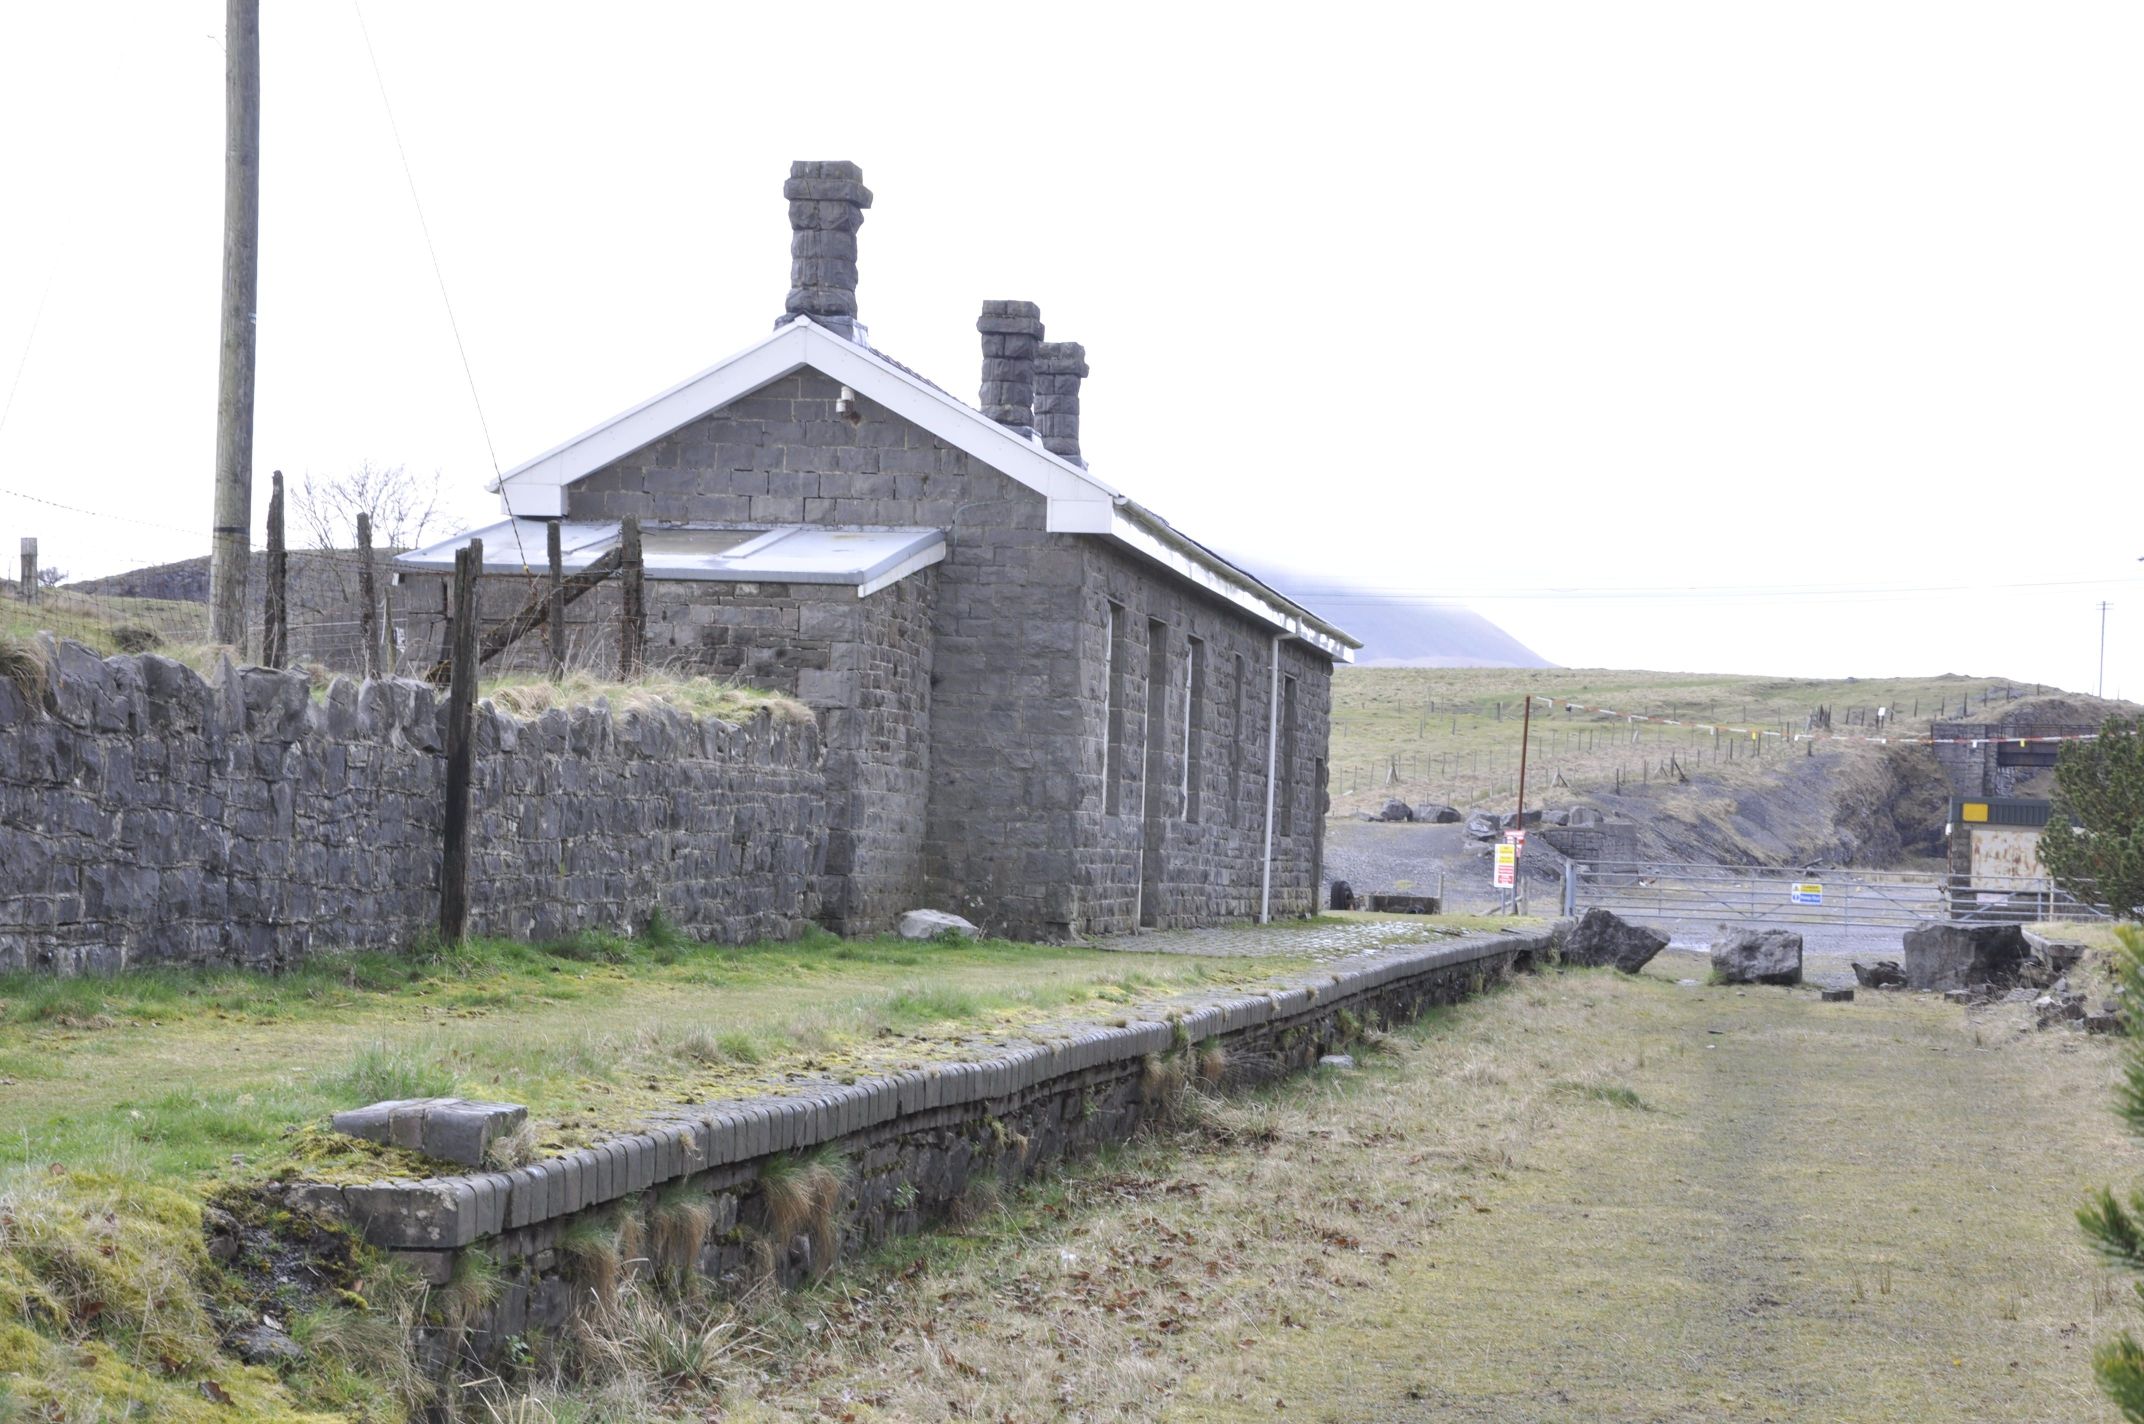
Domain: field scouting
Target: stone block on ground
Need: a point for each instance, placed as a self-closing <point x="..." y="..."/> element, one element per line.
<point x="451" y="1129"/>
<point x="1512" y="822"/>
<point x="1483" y="826"/>
<point x="1883" y="974"/>
<point x="2061" y="955"/>
<point x="1757" y="956"/>
<point x="1944" y="956"/>
<point x="1439" y="815"/>
<point x="930" y="924"/>
<point x="1601" y="937"/>
<point x="266" y="1345"/>
<point x="1391" y="904"/>
<point x="1396" y="811"/>
<point x="1837" y="996"/>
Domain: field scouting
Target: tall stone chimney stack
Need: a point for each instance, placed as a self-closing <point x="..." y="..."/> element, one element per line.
<point x="1011" y="333"/>
<point x="826" y="206"/>
<point x="1059" y="368"/>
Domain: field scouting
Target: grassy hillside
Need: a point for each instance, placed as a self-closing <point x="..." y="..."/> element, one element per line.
<point x="1452" y="734"/>
<point x="110" y="625"/>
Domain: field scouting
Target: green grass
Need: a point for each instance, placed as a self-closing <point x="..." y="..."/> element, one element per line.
<point x="1452" y="734"/>
<point x="173" y="1072"/>
<point x="107" y="624"/>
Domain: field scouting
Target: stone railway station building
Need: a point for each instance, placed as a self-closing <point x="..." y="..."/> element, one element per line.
<point x="1043" y="706"/>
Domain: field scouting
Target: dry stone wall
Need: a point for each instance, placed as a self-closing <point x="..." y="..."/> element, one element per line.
<point x="150" y="816"/>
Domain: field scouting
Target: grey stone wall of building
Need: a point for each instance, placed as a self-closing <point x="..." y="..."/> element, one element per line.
<point x="1205" y="813"/>
<point x="1001" y="740"/>
<point x="1015" y="833"/>
<point x="150" y="816"/>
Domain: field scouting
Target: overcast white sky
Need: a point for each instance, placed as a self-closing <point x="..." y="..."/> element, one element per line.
<point x="1487" y="302"/>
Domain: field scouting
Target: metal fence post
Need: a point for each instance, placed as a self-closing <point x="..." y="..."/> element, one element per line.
<point x="1570" y="888"/>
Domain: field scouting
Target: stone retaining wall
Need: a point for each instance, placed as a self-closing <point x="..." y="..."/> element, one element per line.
<point x="913" y="1144"/>
<point x="150" y="816"/>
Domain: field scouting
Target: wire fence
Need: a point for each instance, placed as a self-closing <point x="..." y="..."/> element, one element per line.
<point x="163" y="607"/>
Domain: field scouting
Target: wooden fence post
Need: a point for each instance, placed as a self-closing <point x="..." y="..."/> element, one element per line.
<point x="558" y="599"/>
<point x="461" y="747"/>
<point x="29" y="569"/>
<point x="633" y="630"/>
<point x="275" y="605"/>
<point x="368" y="594"/>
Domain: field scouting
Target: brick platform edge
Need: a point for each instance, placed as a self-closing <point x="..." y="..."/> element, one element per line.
<point x="914" y="1142"/>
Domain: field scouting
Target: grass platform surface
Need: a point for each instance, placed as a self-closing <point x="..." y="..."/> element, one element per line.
<point x="1584" y="1198"/>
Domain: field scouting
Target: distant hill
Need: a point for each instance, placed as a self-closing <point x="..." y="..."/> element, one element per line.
<point x="1395" y="631"/>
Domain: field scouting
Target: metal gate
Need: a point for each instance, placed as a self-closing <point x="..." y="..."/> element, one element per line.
<point x="1829" y="902"/>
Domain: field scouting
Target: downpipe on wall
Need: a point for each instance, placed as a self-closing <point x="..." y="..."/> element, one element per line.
<point x="1265" y="863"/>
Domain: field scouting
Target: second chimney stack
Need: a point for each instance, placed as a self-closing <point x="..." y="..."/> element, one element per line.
<point x="1012" y="331"/>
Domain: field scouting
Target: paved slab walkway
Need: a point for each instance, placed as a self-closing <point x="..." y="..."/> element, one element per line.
<point x="1319" y="939"/>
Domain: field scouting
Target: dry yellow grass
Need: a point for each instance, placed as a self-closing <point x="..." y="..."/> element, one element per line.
<point x="1574" y="1200"/>
<point x="529" y="694"/>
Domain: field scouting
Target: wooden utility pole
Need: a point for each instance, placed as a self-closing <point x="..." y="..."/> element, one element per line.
<point x="368" y="594"/>
<point x="275" y="602"/>
<point x="461" y="747"/>
<point x="2101" y="690"/>
<point x="233" y="527"/>
<point x="29" y="569"/>
<point x="558" y="599"/>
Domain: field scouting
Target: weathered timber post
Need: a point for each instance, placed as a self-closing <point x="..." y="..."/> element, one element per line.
<point x="368" y="594"/>
<point x="461" y="747"/>
<point x="557" y="616"/>
<point x="29" y="570"/>
<point x="275" y="602"/>
<point x="633" y="629"/>
<point x="446" y="636"/>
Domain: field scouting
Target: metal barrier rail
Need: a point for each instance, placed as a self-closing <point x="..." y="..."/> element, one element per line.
<point x="1840" y="898"/>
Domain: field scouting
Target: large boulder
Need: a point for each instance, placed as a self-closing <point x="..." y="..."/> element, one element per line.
<point x="1582" y="816"/>
<point x="1483" y="826"/>
<point x="1396" y="811"/>
<point x="1757" y="956"/>
<point x="1439" y="815"/>
<point x="1601" y="938"/>
<point x="1511" y="821"/>
<point x="935" y="924"/>
<point x="1959" y="956"/>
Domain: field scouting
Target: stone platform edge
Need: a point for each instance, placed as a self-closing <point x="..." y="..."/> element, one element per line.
<point x="449" y="1213"/>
